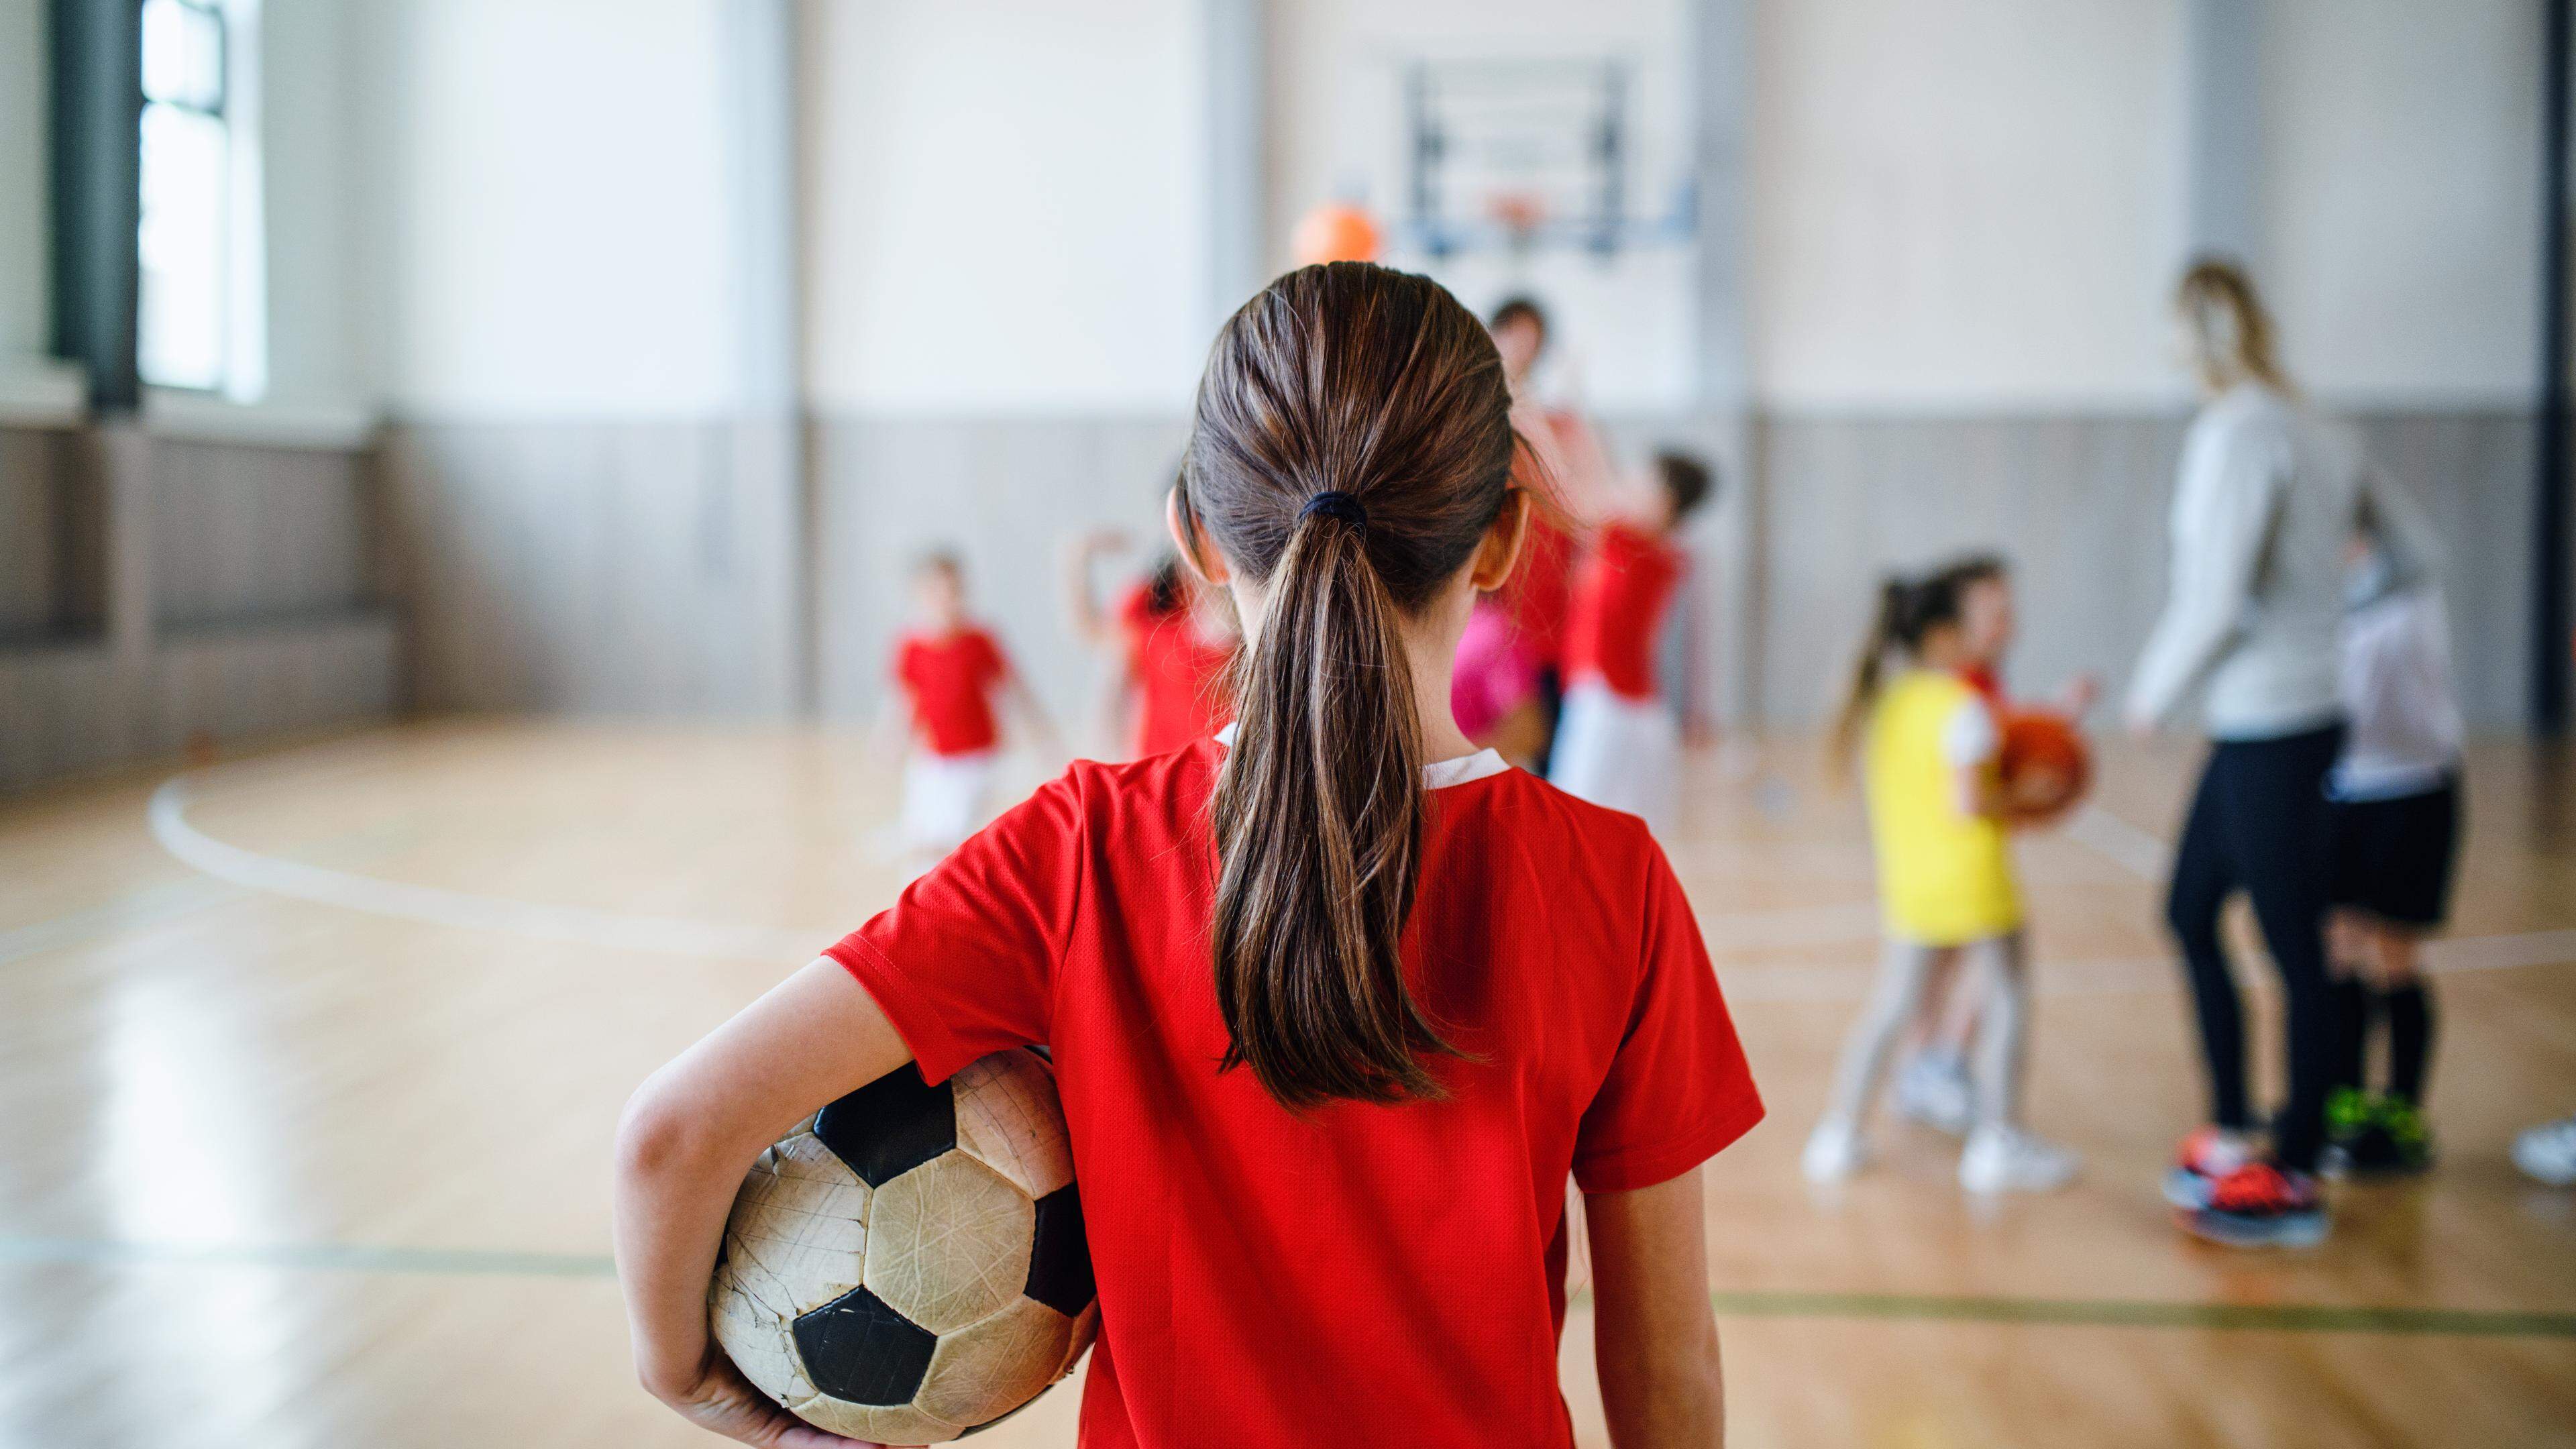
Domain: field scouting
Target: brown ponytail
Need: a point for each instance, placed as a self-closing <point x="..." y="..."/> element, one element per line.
<point x="1351" y="447"/>
<point x="1908" y="609"/>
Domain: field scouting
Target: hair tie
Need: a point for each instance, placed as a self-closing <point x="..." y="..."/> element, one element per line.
<point x="1333" y="503"/>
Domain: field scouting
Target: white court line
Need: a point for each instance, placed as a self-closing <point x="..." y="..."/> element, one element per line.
<point x="2115" y="838"/>
<point x="463" y="910"/>
<point x="2125" y="845"/>
<point x="2148" y="857"/>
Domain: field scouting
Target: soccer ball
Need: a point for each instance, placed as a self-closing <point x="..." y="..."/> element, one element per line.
<point x="909" y="1265"/>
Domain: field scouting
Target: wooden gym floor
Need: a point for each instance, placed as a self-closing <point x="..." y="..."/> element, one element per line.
<point x="304" y="1127"/>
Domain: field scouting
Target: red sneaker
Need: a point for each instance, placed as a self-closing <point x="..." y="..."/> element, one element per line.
<point x="2204" y="1157"/>
<point x="2262" y="1206"/>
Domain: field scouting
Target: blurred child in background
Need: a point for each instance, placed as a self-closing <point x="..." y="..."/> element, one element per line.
<point x="1495" y="692"/>
<point x="1563" y="468"/>
<point x="1175" y="639"/>
<point x="1939" y="810"/>
<point x="1619" y="744"/>
<point x="2397" y="804"/>
<point x="1933" y="1085"/>
<point x="950" y="673"/>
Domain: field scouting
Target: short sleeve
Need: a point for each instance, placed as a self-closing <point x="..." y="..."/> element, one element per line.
<point x="1970" y="736"/>
<point x="902" y="671"/>
<point x="997" y="665"/>
<point x="1679" y="1091"/>
<point x="964" y="964"/>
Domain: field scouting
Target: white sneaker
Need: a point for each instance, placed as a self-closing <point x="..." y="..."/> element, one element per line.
<point x="1932" y="1088"/>
<point x="2007" y="1159"/>
<point x="1835" y="1150"/>
<point x="2547" y="1152"/>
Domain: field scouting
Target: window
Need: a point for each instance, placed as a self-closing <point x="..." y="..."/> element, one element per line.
<point x="199" y="240"/>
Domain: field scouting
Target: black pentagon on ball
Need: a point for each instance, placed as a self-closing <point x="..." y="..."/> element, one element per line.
<point x="890" y="1126"/>
<point x="1059" y="1256"/>
<point x="859" y="1350"/>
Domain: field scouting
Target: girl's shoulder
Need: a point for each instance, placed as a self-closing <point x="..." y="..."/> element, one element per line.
<point x="1917" y="687"/>
<point x="1517" y="822"/>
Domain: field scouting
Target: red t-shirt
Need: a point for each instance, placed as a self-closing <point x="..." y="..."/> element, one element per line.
<point x="1619" y="597"/>
<point x="1178" y="675"/>
<point x="950" y="681"/>
<point x="1361" y="1274"/>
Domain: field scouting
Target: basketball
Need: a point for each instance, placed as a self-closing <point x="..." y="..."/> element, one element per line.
<point x="1337" y="231"/>
<point x="909" y="1265"/>
<point x="2049" y="743"/>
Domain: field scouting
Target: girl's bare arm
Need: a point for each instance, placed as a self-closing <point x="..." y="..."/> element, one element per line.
<point x="688" y="1136"/>
<point x="1654" y="1335"/>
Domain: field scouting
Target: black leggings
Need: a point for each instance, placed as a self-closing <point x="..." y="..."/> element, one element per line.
<point x="2260" y="823"/>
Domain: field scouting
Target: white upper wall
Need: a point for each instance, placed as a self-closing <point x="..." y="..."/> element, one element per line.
<point x="2400" y="196"/>
<point x="530" y="207"/>
<point x="26" y="325"/>
<point x="1964" y="205"/>
<point x="552" y="208"/>
<point x="1005" y="205"/>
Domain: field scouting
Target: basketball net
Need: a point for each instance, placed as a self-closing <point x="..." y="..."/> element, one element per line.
<point x="1519" y="214"/>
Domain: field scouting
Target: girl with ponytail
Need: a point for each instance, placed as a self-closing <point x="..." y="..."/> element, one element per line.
<point x="1337" y="1001"/>
<point x="1939" y="808"/>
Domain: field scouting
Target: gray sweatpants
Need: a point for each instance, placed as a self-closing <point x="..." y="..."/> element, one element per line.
<point x="1997" y="971"/>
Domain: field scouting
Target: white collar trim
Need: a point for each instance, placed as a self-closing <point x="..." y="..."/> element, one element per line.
<point x="1439" y="774"/>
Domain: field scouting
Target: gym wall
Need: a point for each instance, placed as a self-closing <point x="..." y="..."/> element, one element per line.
<point x="205" y="568"/>
<point x="1960" y="326"/>
<point x="621" y="354"/>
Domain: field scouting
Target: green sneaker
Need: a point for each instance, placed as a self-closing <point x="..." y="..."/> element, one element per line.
<point x="2370" y="1134"/>
<point x="2398" y="1141"/>
<point x="2350" y="1111"/>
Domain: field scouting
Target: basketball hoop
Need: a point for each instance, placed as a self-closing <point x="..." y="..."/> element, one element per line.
<point x="1519" y="215"/>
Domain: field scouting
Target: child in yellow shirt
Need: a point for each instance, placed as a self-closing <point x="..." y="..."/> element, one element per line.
<point x="1940" y="814"/>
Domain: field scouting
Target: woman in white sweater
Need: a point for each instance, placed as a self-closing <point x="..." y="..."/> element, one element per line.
<point x="2262" y="514"/>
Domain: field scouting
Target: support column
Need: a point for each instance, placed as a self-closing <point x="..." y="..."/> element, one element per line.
<point x="761" y="522"/>
<point x="2549" y="544"/>
<point x="1721" y="72"/>
<point x="97" y="174"/>
<point x="1238" y="169"/>
<point x="2223" y="60"/>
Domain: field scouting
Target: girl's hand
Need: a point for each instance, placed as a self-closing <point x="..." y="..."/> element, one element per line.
<point x="1098" y="543"/>
<point x="724" y="1401"/>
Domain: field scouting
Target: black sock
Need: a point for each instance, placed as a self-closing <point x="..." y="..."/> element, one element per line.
<point x="2409" y="1009"/>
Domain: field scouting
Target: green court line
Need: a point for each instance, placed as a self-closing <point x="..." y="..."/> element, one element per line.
<point x="1892" y="1307"/>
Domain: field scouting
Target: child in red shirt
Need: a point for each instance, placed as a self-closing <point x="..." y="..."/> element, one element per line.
<point x="1337" y="1002"/>
<point x="1620" y="745"/>
<point x="1563" y="450"/>
<point x="1175" y="641"/>
<point x="949" y="672"/>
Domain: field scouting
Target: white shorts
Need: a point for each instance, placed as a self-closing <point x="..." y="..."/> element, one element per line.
<point x="1618" y="752"/>
<point x="943" y="797"/>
